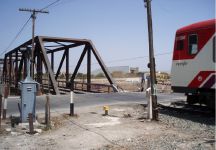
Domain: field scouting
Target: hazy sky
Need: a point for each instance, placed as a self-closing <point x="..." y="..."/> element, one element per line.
<point x="118" y="28"/>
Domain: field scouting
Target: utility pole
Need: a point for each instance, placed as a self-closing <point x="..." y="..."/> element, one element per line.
<point x="151" y="64"/>
<point x="33" y="16"/>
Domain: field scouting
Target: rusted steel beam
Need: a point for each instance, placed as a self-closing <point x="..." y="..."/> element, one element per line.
<point x="18" y="58"/>
<point x="15" y="55"/>
<point x="52" y="61"/>
<point x="78" y="65"/>
<point x="103" y="66"/>
<point x="48" y="67"/>
<point x="60" y="39"/>
<point x="39" y="66"/>
<point x="20" y="68"/>
<point x="5" y="70"/>
<point x="10" y="69"/>
<point x="65" y="47"/>
<point x="25" y="65"/>
<point x="16" y="70"/>
<point x="60" y="44"/>
<point x="60" y="65"/>
<point x="13" y="71"/>
<point x="42" y="58"/>
<point x="18" y="48"/>
<point x="89" y="70"/>
<point x="67" y="65"/>
<point x="49" y="39"/>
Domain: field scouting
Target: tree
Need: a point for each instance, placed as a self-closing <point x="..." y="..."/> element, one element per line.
<point x="100" y="75"/>
<point x="79" y="75"/>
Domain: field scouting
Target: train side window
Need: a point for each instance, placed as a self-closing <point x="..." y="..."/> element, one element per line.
<point x="193" y="44"/>
<point x="180" y="45"/>
<point x="214" y="49"/>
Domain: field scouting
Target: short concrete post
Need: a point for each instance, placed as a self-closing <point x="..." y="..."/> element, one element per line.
<point x="71" y="103"/>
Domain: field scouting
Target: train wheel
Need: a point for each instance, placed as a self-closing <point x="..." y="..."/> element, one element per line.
<point x="210" y="100"/>
<point x="192" y="99"/>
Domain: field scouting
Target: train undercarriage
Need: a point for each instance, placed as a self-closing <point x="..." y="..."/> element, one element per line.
<point x="202" y="97"/>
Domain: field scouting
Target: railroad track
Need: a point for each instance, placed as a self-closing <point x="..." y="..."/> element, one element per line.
<point x="183" y="107"/>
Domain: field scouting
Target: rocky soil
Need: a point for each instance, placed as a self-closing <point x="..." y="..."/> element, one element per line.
<point x="125" y="128"/>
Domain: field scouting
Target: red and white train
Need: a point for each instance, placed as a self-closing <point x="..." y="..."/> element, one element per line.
<point x="193" y="66"/>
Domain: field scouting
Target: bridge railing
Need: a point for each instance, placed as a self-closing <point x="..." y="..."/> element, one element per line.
<point x="82" y="86"/>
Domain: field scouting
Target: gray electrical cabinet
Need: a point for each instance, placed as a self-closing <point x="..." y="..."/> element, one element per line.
<point x="28" y="89"/>
<point x="2" y="86"/>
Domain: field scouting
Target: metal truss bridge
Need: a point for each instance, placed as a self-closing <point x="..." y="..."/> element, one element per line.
<point x="46" y="49"/>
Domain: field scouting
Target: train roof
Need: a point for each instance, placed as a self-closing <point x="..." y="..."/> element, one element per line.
<point x="198" y="25"/>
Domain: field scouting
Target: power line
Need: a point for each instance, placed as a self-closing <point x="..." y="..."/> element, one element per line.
<point x="50" y="5"/>
<point x="126" y="59"/>
<point x="135" y="58"/>
<point x="17" y="35"/>
<point x="83" y="66"/>
<point x="62" y="2"/>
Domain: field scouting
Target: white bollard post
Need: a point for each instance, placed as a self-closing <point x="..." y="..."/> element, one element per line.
<point x="149" y="96"/>
<point x="71" y="103"/>
<point x="6" y="93"/>
<point x="4" y="108"/>
<point x="150" y="107"/>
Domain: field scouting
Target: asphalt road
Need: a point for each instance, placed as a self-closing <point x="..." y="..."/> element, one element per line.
<point x="58" y="102"/>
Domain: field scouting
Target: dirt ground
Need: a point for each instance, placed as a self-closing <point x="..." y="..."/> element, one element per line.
<point x="125" y="128"/>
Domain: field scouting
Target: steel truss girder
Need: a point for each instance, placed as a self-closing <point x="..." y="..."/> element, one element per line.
<point x="13" y="72"/>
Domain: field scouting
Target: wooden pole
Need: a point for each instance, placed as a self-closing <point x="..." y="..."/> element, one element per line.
<point x="31" y="126"/>
<point x="152" y="61"/>
<point x="47" y="111"/>
<point x="0" y="109"/>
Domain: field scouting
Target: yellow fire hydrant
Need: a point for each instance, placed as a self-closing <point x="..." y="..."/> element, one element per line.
<point x="106" y="109"/>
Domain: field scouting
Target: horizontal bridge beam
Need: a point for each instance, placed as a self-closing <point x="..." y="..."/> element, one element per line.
<point x="65" y="47"/>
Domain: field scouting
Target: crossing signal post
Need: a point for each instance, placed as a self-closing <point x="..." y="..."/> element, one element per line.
<point x="33" y="16"/>
<point x="151" y="64"/>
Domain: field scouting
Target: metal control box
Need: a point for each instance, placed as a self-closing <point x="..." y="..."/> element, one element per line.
<point x="2" y="87"/>
<point x="28" y="89"/>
